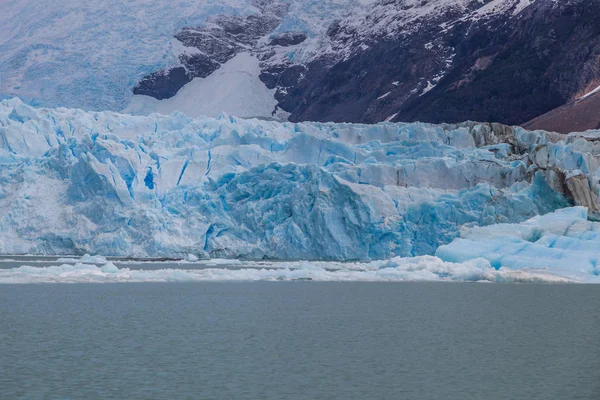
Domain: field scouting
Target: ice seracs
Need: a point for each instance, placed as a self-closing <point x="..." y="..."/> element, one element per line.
<point x="74" y="182"/>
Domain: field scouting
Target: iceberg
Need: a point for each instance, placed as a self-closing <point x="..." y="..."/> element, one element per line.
<point x="74" y="182"/>
<point x="563" y="242"/>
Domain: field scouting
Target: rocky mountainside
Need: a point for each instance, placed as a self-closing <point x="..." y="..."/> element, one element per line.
<point x="506" y="61"/>
<point x="529" y="62"/>
<point x="577" y="116"/>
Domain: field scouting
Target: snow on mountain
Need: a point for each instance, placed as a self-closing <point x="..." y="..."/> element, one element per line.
<point x="235" y="87"/>
<point x="386" y="20"/>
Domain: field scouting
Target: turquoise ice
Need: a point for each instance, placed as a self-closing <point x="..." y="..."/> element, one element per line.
<point x="75" y="182"/>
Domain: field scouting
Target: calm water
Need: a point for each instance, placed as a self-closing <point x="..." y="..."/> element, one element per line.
<point x="299" y="340"/>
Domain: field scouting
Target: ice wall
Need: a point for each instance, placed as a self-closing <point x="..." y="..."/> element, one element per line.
<point x="74" y="182"/>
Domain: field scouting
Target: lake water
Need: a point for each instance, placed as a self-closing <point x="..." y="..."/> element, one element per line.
<point x="299" y="340"/>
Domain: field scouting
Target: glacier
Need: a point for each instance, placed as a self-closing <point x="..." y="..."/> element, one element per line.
<point x="559" y="247"/>
<point x="72" y="53"/>
<point x="75" y="182"/>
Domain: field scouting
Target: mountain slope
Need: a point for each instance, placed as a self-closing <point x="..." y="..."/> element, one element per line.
<point x="508" y="64"/>
<point x="580" y="115"/>
<point x="442" y="60"/>
<point x="509" y="61"/>
<point x="447" y="60"/>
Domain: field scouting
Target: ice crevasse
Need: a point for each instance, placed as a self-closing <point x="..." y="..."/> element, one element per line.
<point x="75" y="182"/>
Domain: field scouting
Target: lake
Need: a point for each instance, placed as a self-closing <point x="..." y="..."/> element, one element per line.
<point x="299" y="340"/>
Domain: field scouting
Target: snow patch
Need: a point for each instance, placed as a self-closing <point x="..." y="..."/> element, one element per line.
<point x="391" y="117"/>
<point x="235" y="88"/>
<point x="593" y="92"/>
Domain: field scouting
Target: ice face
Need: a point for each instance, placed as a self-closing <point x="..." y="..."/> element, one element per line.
<point x="75" y="182"/>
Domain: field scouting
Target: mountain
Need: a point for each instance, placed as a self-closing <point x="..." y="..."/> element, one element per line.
<point x="92" y="54"/>
<point x="435" y="61"/>
<point x="507" y="61"/>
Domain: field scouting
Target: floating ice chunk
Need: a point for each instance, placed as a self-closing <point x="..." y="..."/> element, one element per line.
<point x="109" y="268"/>
<point x="563" y="241"/>
<point x="88" y="259"/>
<point x="191" y="258"/>
<point x="85" y="259"/>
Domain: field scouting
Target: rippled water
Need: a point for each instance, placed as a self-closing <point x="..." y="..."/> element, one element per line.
<point x="299" y="340"/>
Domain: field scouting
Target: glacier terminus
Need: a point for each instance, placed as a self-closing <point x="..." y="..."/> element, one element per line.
<point x="76" y="182"/>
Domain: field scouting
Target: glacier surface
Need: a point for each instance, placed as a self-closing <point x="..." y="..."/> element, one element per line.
<point x="75" y="182"/>
<point x="90" y="54"/>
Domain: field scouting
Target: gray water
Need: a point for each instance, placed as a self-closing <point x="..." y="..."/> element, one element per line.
<point x="298" y="340"/>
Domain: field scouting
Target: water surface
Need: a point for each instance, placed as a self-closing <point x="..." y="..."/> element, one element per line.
<point x="299" y="340"/>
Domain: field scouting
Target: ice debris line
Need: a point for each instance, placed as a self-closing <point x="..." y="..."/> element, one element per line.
<point x="75" y="182"/>
<point x="424" y="268"/>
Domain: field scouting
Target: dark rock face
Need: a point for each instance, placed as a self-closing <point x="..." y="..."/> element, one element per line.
<point x="433" y="61"/>
<point x="577" y="116"/>
<point x="163" y="84"/>
<point x="288" y="39"/>
<point x="538" y="62"/>
<point x="501" y="68"/>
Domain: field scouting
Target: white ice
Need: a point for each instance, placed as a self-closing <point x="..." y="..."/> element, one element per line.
<point x="425" y="268"/>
